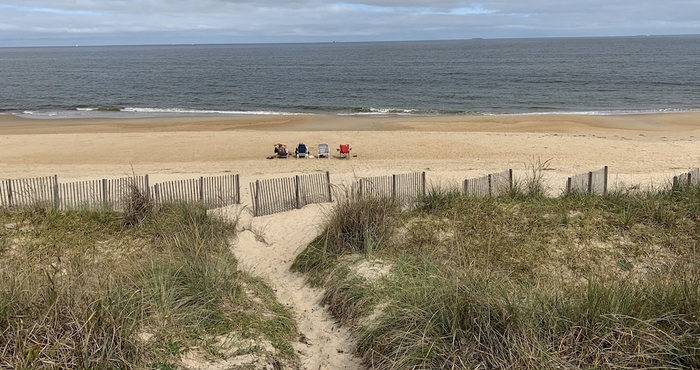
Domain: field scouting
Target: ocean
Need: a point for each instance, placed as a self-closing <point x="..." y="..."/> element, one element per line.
<point x="613" y="75"/>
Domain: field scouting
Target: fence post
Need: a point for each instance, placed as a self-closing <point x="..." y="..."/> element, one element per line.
<point x="423" y="182"/>
<point x="201" y="189"/>
<point x="156" y="193"/>
<point x="568" y="185"/>
<point x="328" y="181"/>
<point x="148" y="187"/>
<point x="393" y="187"/>
<point x="9" y="193"/>
<point x="56" y="198"/>
<point x="605" y="180"/>
<point x="296" y="191"/>
<point x="238" y="189"/>
<point x="690" y="178"/>
<point x="510" y="175"/>
<point x="590" y="182"/>
<point x="105" y="202"/>
<point x="490" y="186"/>
<point x="256" y="198"/>
<point x="465" y="186"/>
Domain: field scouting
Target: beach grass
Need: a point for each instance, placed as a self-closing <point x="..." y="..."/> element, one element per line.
<point x="142" y="289"/>
<point x="521" y="281"/>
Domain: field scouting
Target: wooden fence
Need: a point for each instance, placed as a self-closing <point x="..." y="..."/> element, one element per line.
<point x="402" y="187"/>
<point x="29" y="192"/>
<point x="491" y="185"/>
<point x="114" y="194"/>
<point x="111" y="194"/>
<point x="691" y="178"/>
<point x="211" y="192"/>
<point x="595" y="182"/>
<point x="285" y="194"/>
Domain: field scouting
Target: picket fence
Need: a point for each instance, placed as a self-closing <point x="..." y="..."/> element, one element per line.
<point x="691" y="178"/>
<point x="114" y="194"/>
<point x="401" y="187"/>
<point x="268" y="196"/>
<point x="491" y="185"/>
<point x="285" y="194"/>
<point x="595" y="182"/>
<point x="211" y="192"/>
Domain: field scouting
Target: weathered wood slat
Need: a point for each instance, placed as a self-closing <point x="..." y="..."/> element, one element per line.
<point x="594" y="182"/>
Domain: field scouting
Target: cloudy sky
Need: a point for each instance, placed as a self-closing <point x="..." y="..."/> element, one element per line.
<point x="109" y="22"/>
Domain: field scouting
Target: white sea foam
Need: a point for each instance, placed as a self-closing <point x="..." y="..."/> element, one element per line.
<point x="40" y="114"/>
<point x="135" y="112"/>
<point x="389" y="111"/>
<point x="176" y="111"/>
<point x="621" y="112"/>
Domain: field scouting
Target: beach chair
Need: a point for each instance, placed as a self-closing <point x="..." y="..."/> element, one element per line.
<point x="282" y="152"/>
<point x="302" y="151"/>
<point x="323" y="151"/>
<point x="344" y="151"/>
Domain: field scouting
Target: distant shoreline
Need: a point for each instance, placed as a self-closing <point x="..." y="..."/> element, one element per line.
<point x="141" y="113"/>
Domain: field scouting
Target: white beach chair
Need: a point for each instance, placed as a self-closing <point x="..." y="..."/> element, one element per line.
<point x="323" y="151"/>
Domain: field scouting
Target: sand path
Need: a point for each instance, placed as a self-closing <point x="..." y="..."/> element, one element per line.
<point x="266" y="247"/>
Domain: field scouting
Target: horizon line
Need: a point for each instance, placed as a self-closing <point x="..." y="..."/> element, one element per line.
<point x="350" y="41"/>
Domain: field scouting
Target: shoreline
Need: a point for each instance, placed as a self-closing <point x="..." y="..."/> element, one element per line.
<point x="663" y="124"/>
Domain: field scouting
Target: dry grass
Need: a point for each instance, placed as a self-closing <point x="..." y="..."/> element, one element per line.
<point x="521" y="281"/>
<point x="78" y="290"/>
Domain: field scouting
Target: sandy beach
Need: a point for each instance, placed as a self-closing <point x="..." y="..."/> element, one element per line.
<point x="638" y="148"/>
<point x="641" y="150"/>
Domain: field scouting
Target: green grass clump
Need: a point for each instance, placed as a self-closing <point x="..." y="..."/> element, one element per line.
<point x="80" y="290"/>
<point x="522" y="281"/>
<point x="360" y="225"/>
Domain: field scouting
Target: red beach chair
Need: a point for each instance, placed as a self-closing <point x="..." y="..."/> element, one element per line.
<point x="344" y="151"/>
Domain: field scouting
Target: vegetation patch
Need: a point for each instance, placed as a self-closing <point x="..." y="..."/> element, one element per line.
<point x="519" y="281"/>
<point x="148" y="288"/>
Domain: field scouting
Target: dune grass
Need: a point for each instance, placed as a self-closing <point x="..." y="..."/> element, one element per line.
<point x="521" y="281"/>
<point x="138" y="290"/>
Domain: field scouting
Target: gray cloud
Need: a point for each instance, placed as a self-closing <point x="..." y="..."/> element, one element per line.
<point x="51" y="22"/>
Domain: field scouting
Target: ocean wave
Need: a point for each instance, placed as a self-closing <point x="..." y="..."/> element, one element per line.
<point x="138" y="112"/>
<point x="403" y="112"/>
<point x="176" y="111"/>
<point x="83" y="108"/>
<point x="620" y="112"/>
<point x="145" y="112"/>
<point x="39" y="114"/>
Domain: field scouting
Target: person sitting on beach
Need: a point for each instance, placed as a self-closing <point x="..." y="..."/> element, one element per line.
<point x="281" y="150"/>
<point x="280" y="145"/>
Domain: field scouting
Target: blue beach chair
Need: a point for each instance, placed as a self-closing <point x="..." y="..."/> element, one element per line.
<point x="302" y="151"/>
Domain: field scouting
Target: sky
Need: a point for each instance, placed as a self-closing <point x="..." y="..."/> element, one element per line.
<point x="136" y="22"/>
